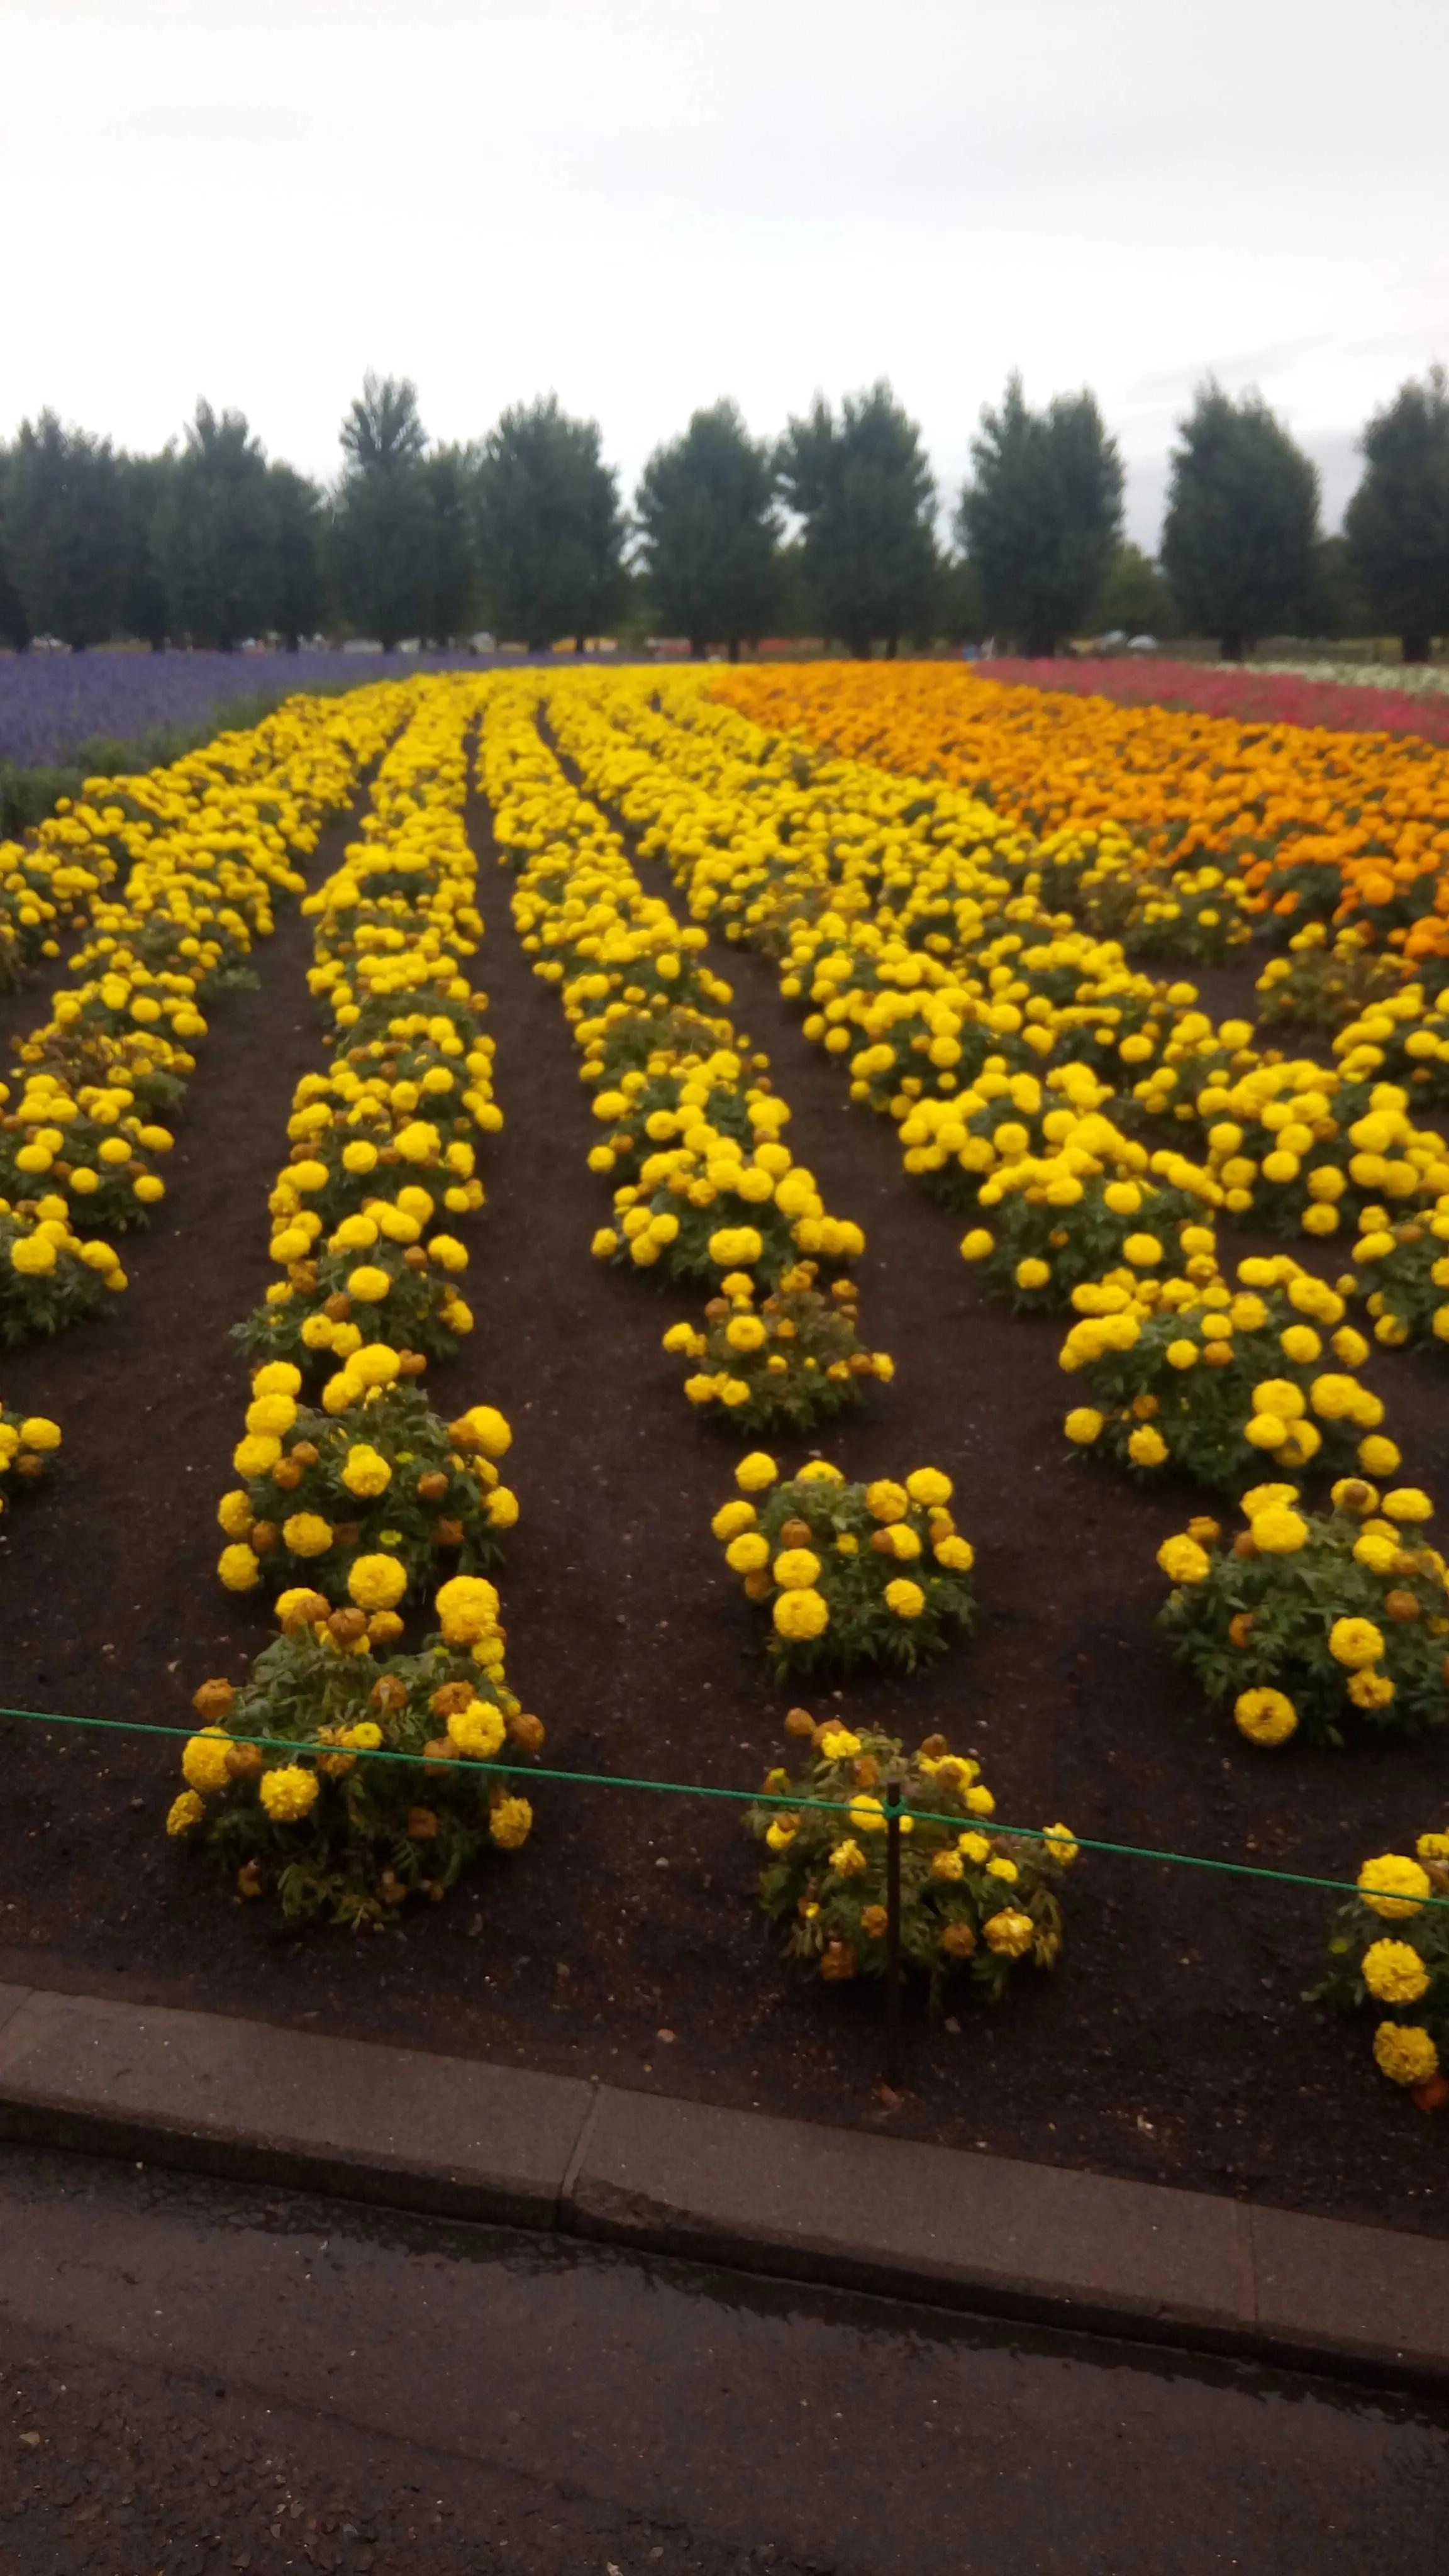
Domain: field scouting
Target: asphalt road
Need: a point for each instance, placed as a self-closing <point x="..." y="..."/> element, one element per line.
<point x="196" y="2376"/>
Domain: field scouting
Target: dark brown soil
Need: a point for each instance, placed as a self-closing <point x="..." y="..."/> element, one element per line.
<point x="1172" y="2044"/>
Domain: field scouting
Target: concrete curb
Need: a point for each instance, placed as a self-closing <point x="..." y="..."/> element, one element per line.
<point x="460" y="2138"/>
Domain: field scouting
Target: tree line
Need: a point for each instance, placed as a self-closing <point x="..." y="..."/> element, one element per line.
<point x="833" y="529"/>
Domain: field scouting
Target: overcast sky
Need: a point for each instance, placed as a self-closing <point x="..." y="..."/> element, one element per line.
<point x="647" y="203"/>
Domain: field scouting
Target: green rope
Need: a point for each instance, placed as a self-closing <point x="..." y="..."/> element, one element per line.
<point x="698" y="1789"/>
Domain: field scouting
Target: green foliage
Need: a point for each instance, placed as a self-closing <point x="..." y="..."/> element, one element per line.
<point x="865" y="493"/>
<point x="1398" y="520"/>
<point x="1042" y="518"/>
<point x="705" y="509"/>
<point x="550" y="535"/>
<point x="449" y="475"/>
<point x="380" y="549"/>
<point x="1239" y="540"/>
<point x="298" y="601"/>
<point x="214" y="533"/>
<point x="65" y="532"/>
<point x="1134" y="599"/>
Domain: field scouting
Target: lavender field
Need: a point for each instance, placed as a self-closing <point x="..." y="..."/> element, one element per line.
<point x="51" y="703"/>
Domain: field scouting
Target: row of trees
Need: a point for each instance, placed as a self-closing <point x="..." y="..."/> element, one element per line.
<point x="832" y="529"/>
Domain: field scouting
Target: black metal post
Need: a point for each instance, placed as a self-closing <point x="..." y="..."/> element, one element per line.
<point x="893" y="2075"/>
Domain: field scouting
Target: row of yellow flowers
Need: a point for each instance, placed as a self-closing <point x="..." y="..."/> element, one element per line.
<point x="180" y="871"/>
<point x="355" y="1497"/>
<point x="705" y="1188"/>
<point x="849" y="1573"/>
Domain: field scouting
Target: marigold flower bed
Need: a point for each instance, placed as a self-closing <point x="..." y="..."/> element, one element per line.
<point x="1170" y="2040"/>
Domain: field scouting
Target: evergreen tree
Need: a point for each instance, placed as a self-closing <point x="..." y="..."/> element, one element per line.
<point x="214" y="533"/>
<point x="65" y="541"/>
<point x="1242" y="522"/>
<point x="550" y="536"/>
<point x="1398" y="520"/>
<point x="14" y="626"/>
<point x="381" y="538"/>
<point x="705" y="507"/>
<point x="145" y="482"/>
<point x="1042" y="517"/>
<point x="864" y="492"/>
<point x="298" y="601"/>
<point x="449" y="475"/>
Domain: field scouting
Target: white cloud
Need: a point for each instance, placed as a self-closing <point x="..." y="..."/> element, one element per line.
<point x="645" y="204"/>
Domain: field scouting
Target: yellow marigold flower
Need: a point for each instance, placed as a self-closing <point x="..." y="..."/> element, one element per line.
<point x="1405" y="1503"/>
<point x="478" y="1730"/>
<point x="235" y="1515"/>
<point x="980" y="1801"/>
<point x="749" y="1552"/>
<point x="254" y="1455"/>
<point x="1378" y="1457"/>
<point x="1183" y="1561"/>
<point x="1010" y="1934"/>
<point x="799" y="1616"/>
<point x="886" y="1501"/>
<point x="1355" y="1642"/>
<point x="955" y="1555"/>
<point x="755" y="1472"/>
<point x="184" y="1813"/>
<point x="501" y="1508"/>
<point x="904" y="1599"/>
<point x="377" y="1582"/>
<point x="365" y="1471"/>
<point x="1277" y="1531"/>
<point x="1394" y="1973"/>
<point x="204" y="1761"/>
<point x="867" y="1815"/>
<point x="948" y="1864"/>
<point x="1370" y="1689"/>
<point x="796" y="1568"/>
<point x="1393" y="1885"/>
<point x="745" y="1333"/>
<point x="848" y="1860"/>
<point x="1083" y="1425"/>
<point x="239" y="1568"/>
<point x="976" y="1245"/>
<point x="368" y="1285"/>
<point x="1265" y="1716"/>
<point x="288" y="1793"/>
<point x="510" y="1823"/>
<point x="782" y="1832"/>
<point x="928" y="1487"/>
<point x="1060" y="1843"/>
<point x="838" y="1744"/>
<point x="376" y="1364"/>
<point x="1146" y="1447"/>
<point x="1351" y="1494"/>
<point x="1405" y="2053"/>
<point x="38" y="1432"/>
<point x="307" y="1534"/>
<point x="732" y="1518"/>
<point x="973" y="1847"/>
<point x="467" y="1609"/>
<point x="819" y="1471"/>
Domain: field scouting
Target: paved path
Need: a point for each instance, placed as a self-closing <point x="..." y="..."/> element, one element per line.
<point x="197" y="2376"/>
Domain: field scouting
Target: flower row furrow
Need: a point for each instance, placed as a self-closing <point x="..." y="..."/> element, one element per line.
<point x="355" y="1497"/>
